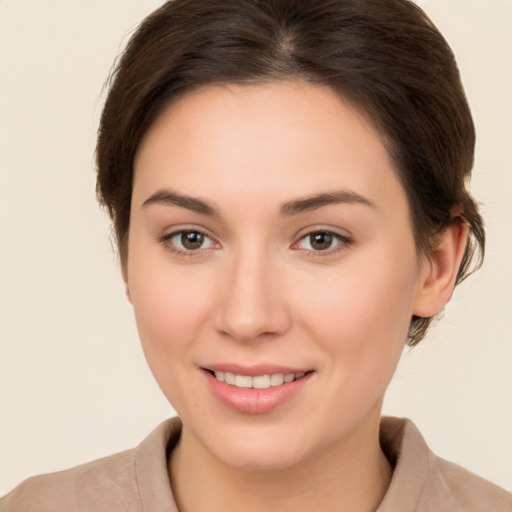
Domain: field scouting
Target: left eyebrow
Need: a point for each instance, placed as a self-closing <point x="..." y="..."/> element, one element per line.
<point x="308" y="204"/>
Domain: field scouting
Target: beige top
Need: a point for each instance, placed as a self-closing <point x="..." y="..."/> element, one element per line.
<point x="137" y="480"/>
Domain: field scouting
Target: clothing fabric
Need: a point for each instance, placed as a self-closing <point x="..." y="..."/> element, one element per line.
<point x="138" y="481"/>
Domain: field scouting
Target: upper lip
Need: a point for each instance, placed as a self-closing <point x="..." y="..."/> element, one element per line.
<point x="255" y="370"/>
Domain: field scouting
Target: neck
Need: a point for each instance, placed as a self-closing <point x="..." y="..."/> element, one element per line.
<point x="352" y="475"/>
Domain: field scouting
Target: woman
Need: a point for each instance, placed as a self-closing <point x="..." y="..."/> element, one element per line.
<point x="286" y="181"/>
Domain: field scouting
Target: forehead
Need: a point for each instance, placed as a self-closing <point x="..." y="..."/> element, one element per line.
<point x="270" y="140"/>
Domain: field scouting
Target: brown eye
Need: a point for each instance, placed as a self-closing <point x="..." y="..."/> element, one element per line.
<point x="187" y="241"/>
<point x="192" y="240"/>
<point x="321" y="241"/>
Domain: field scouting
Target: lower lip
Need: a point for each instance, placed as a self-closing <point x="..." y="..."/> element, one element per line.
<point x="255" y="401"/>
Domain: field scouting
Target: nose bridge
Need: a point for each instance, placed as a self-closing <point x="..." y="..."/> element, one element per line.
<point x="251" y="303"/>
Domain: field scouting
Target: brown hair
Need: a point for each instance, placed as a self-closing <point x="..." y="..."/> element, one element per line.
<point x="384" y="56"/>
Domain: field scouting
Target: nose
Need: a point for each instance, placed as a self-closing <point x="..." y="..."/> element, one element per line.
<point x="252" y="302"/>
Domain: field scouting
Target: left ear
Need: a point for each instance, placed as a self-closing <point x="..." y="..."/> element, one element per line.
<point x="439" y="270"/>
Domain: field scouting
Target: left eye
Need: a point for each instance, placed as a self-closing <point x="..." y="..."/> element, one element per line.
<point x="320" y="241"/>
<point x="189" y="241"/>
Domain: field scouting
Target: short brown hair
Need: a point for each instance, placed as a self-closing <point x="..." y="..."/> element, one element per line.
<point x="385" y="56"/>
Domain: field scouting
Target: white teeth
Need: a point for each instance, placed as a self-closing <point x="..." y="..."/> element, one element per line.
<point x="243" y="381"/>
<point x="276" y="379"/>
<point x="261" y="382"/>
<point x="258" y="382"/>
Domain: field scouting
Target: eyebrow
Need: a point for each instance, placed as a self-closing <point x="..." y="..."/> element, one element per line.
<point x="168" y="197"/>
<point x="308" y="204"/>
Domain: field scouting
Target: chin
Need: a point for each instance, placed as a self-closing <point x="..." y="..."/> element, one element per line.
<point x="260" y="447"/>
<point x="262" y="457"/>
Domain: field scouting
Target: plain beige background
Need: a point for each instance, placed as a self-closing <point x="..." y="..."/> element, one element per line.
<point x="73" y="382"/>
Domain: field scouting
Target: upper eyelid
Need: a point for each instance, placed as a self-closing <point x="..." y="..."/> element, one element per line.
<point x="181" y="231"/>
<point x="309" y="230"/>
<point x="339" y="236"/>
<point x="343" y="237"/>
<point x="328" y="231"/>
<point x="173" y="232"/>
<point x="166" y="239"/>
<point x="344" y="241"/>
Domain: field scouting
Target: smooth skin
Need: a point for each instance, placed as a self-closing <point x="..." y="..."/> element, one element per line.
<point x="263" y="277"/>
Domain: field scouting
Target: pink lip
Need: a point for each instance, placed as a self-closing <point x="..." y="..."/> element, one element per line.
<point x="255" y="401"/>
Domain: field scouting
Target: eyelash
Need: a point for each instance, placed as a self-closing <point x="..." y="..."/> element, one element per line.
<point x="166" y="240"/>
<point x="342" y="243"/>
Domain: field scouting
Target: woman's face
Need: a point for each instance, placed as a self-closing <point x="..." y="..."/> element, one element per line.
<point x="271" y="248"/>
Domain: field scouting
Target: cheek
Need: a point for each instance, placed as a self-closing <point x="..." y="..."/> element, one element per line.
<point x="356" y="303"/>
<point x="170" y="313"/>
<point x="361" y="326"/>
<point x="361" y="316"/>
<point x="169" y="308"/>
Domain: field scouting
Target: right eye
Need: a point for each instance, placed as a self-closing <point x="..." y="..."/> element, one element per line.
<point x="188" y="241"/>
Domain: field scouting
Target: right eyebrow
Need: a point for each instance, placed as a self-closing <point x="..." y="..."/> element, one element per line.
<point x="168" y="197"/>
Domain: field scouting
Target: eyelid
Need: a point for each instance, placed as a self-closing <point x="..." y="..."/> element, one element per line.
<point x="344" y="240"/>
<point x="166" y="239"/>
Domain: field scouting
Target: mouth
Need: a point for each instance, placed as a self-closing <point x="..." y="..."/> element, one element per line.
<point x="258" y="381"/>
<point x="256" y="389"/>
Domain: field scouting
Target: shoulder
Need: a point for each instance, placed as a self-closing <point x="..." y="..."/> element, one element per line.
<point x="102" y="484"/>
<point x="426" y="483"/>
<point x="130" y="481"/>
<point x="472" y="492"/>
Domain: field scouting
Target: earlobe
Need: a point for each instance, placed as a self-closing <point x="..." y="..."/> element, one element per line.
<point x="439" y="270"/>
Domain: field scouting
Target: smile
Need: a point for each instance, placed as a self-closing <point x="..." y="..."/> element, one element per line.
<point x="257" y="389"/>
<point x="257" y="382"/>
